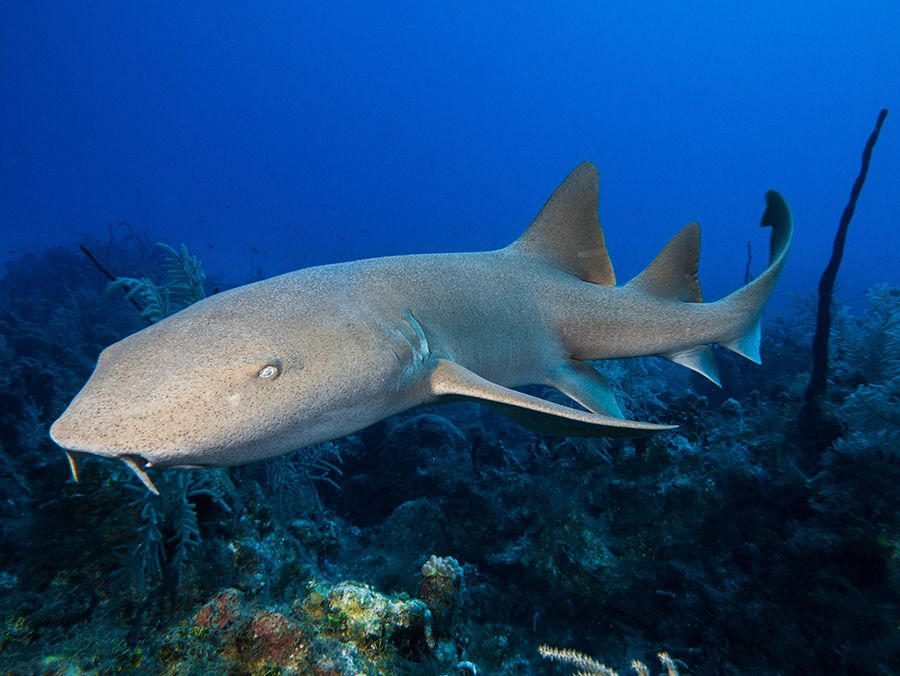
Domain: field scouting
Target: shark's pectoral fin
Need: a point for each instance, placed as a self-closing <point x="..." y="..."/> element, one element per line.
<point x="582" y="382"/>
<point x="449" y="379"/>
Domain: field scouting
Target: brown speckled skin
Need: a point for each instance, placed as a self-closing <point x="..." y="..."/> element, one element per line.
<point x="187" y="391"/>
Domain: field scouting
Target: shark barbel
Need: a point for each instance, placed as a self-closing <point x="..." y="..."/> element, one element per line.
<point x="322" y="352"/>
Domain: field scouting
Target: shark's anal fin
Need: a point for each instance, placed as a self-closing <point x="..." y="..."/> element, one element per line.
<point x="582" y="382"/>
<point x="453" y="380"/>
<point x="700" y="359"/>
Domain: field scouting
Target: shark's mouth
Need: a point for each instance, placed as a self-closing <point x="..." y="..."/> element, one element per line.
<point x="134" y="462"/>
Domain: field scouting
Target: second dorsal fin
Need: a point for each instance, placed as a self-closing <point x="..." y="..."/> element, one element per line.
<point x="673" y="273"/>
<point x="567" y="232"/>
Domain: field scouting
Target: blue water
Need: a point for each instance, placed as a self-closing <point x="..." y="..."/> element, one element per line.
<point x="268" y="136"/>
<point x="319" y="132"/>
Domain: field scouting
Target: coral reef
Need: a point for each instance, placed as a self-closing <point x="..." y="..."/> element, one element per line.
<point x="449" y="541"/>
<point x="588" y="666"/>
<point x="183" y="285"/>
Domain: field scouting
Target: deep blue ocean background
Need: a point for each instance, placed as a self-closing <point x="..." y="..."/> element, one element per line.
<point x="449" y="541"/>
<point x="320" y="132"/>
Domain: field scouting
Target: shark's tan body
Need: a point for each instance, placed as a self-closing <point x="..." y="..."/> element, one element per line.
<point x="322" y="352"/>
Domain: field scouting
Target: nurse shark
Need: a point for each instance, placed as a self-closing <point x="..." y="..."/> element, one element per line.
<point x="322" y="352"/>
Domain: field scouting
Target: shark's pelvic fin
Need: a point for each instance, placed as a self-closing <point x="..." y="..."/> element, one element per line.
<point x="134" y="465"/>
<point x="567" y="232"/>
<point x="673" y="273"/>
<point x="453" y="380"/>
<point x="581" y="382"/>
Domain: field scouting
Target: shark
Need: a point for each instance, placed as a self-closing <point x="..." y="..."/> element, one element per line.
<point x="322" y="352"/>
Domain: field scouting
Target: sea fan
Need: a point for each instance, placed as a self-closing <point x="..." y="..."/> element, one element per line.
<point x="293" y="476"/>
<point x="185" y="274"/>
<point x="184" y="285"/>
<point x="152" y="298"/>
<point x="169" y="525"/>
<point x="869" y="347"/>
<point x="871" y="419"/>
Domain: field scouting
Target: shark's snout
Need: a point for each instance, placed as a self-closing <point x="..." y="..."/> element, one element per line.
<point x="66" y="433"/>
<point x="69" y="435"/>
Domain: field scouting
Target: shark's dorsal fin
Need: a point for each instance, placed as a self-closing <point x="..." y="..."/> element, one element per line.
<point x="567" y="232"/>
<point x="449" y="379"/>
<point x="673" y="273"/>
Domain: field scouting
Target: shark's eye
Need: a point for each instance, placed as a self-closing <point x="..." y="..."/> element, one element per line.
<point x="269" y="371"/>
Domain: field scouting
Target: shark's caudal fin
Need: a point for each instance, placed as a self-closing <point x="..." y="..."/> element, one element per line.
<point x="567" y="233"/>
<point x="746" y="304"/>
<point x="673" y="275"/>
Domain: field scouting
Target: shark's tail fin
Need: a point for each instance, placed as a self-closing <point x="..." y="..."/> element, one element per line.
<point x="673" y="275"/>
<point x="744" y="307"/>
<point x="567" y="236"/>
